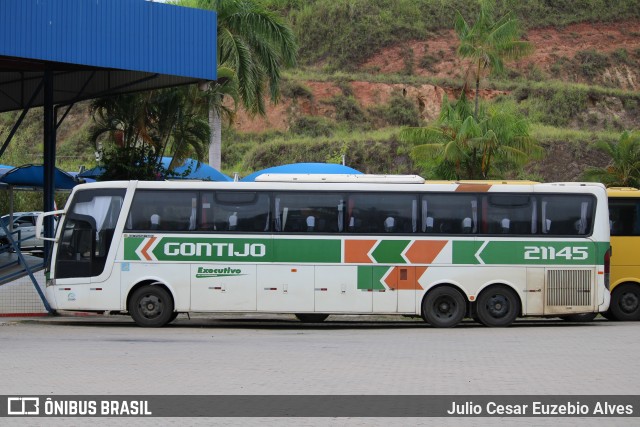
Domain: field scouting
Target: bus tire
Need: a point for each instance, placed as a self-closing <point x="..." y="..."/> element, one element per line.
<point x="609" y="315"/>
<point x="151" y="306"/>
<point x="312" y="317"/>
<point x="498" y="306"/>
<point x="579" y="317"/>
<point x="625" y="302"/>
<point x="443" y="307"/>
<point x="173" y="317"/>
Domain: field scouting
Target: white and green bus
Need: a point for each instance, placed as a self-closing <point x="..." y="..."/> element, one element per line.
<point x="314" y="245"/>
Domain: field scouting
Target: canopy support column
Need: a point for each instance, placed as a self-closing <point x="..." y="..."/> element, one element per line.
<point x="49" y="156"/>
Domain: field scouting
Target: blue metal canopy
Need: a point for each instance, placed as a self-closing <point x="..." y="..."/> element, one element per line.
<point x="303" y="168"/>
<point x="58" y="52"/>
<point x="33" y="176"/>
<point x="96" y="48"/>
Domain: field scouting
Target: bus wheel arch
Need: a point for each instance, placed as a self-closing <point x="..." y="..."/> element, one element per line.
<point x="151" y="304"/>
<point x="625" y="301"/>
<point x="498" y="305"/>
<point x="444" y="305"/>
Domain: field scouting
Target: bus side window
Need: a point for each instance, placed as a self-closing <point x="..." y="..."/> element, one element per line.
<point x="567" y="215"/>
<point x="382" y="213"/>
<point x="449" y="213"/>
<point x="509" y="214"/>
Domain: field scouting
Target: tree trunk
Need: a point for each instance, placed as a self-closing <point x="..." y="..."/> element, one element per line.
<point x="215" y="138"/>
<point x="475" y="112"/>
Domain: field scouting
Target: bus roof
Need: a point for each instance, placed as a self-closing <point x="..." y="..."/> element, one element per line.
<point x="623" y="192"/>
<point x="342" y="178"/>
<point x="484" y="182"/>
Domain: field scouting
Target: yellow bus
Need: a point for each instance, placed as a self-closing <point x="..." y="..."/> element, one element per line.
<point x="624" y="220"/>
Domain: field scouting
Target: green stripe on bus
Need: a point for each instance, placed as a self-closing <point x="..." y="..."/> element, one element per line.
<point x="370" y="277"/>
<point x="378" y="274"/>
<point x="525" y="253"/>
<point x="237" y="250"/>
<point x="305" y="250"/>
<point x="390" y="251"/>
<point x="130" y="246"/>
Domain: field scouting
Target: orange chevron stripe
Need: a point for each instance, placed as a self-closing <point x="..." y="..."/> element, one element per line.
<point x="405" y="281"/>
<point x="146" y="248"/>
<point x="425" y="251"/>
<point x="473" y="188"/>
<point x="392" y="279"/>
<point x="419" y="272"/>
<point x="356" y="251"/>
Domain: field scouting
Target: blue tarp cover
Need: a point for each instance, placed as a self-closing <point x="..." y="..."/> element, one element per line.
<point x="199" y="170"/>
<point x="302" y="168"/>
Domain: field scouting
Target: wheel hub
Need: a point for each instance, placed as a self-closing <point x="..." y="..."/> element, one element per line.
<point x="629" y="302"/>
<point x="444" y="307"/>
<point x="498" y="306"/>
<point x="151" y="306"/>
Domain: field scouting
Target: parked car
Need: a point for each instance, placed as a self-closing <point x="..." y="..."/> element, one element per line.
<point x="25" y="223"/>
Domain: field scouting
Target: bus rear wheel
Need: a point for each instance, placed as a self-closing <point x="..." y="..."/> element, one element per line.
<point x="151" y="306"/>
<point x="625" y="302"/>
<point x="312" y="317"/>
<point x="443" y="307"/>
<point x="498" y="306"/>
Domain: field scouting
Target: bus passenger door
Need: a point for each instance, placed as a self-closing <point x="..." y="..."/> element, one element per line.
<point x="285" y="288"/>
<point x="343" y="289"/>
<point x="216" y="287"/>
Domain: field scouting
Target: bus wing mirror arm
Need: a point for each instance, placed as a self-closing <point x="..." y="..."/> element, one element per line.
<point x="40" y="223"/>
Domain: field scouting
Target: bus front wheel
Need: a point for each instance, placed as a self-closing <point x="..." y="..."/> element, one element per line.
<point x="443" y="307"/>
<point x="498" y="306"/>
<point x="625" y="302"/>
<point x="151" y="306"/>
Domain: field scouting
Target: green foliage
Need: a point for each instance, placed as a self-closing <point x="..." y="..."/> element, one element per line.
<point x="359" y="28"/>
<point x="591" y="63"/>
<point x="489" y="42"/>
<point x="624" y="168"/>
<point x="407" y="55"/>
<point x="496" y="143"/>
<point x="312" y="126"/>
<point x="399" y="111"/>
<point x="295" y="89"/>
<point x="134" y="131"/>
<point x="428" y="62"/>
<point x="369" y="152"/>
<point x="347" y="109"/>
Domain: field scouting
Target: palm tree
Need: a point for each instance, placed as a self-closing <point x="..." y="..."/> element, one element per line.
<point x="489" y="42"/>
<point x="254" y="44"/>
<point x="624" y="168"/>
<point x="464" y="147"/>
<point x="134" y="131"/>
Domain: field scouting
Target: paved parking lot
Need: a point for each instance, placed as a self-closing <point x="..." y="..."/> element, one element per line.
<point x="237" y="354"/>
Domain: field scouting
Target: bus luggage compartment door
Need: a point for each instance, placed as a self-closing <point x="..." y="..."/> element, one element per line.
<point x="285" y="288"/>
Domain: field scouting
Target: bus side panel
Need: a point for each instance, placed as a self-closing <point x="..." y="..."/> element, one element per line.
<point x="285" y="288"/>
<point x="70" y="294"/>
<point x="343" y="289"/>
<point x="534" y="299"/>
<point x="175" y="276"/>
<point x="385" y="288"/>
<point x="222" y="287"/>
<point x="624" y="260"/>
<point x="105" y="290"/>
